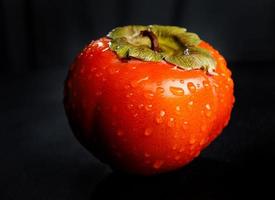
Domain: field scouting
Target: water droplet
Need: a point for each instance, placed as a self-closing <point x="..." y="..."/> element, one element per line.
<point x="174" y="147"/>
<point x="171" y="122"/>
<point x="135" y="83"/>
<point x="192" y="140"/>
<point x="191" y="87"/>
<point x="148" y="131"/>
<point x="135" y="115"/>
<point x="182" y="81"/>
<point x="127" y="87"/>
<point x="159" y="90"/>
<point x="140" y="106"/>
<point x="149" y="95"/>
<point x="130" y="106"/>
<point x="119" y="132"/>
<point x="185" y="125"/>
<point x="134" y="67"/>
<point x="177" y="157"/>
<point x="160" y="117"/>
<point x="190" y="103"/>
<point x="113" y="70"/>
<point x="208" y="107"/>
<point x="98" y="74"/>
<point x="177" y="108"/>
<point x="177" y="91"/>
<point x="129" y="95"/>
<point x="148" y="107"/>
<point x="146" y="155"/>
<point x="157" y="164"/>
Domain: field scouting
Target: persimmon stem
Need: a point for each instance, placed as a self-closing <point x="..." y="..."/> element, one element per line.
<point x="153" y="39"/>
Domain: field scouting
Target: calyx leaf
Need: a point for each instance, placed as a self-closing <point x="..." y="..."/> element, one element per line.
<point x="176" y="46"/>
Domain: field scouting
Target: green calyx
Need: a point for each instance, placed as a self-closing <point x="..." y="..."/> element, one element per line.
<point x="156" y="43"/>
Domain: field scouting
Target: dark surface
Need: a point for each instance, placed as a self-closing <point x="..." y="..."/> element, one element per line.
<point x="40" y="158"/>
<point x="44" y="34"/>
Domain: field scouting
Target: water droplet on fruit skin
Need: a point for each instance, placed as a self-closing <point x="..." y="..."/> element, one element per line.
<point x="159" y="90"/>
<point x="113" y="70"/>
<point x="148" y="107"/>
<point x="140" y="106"/>
<point x="148" y="131"/>
<point x="130" y="106"/>
<point x="98" y="74"/>
<point x="157" y="164"/>
<point x="171" y="122"/>
<point x="191" y="87"/>
<point x="160" y="117"/>
<point x="190" y="103"/>
<point x="185" y="125"/>
<point x="175" y="147"/>
<point x="129" y="95"/>
<point x="127" y="87"/>
<point x="178" y="108"/>
<point x="149" y="95"/>
<point x="176" y="91"/>
<point x="208" y="107"/>
<point x="135" y="83"/>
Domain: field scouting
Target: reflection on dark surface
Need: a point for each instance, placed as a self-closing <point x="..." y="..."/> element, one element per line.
<point x="202" y="179"/>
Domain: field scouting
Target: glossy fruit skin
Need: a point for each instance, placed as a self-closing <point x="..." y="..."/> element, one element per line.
<point x="145" y="117"/>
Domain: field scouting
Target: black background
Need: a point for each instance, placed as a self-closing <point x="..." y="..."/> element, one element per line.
<point x="40" y="158"/>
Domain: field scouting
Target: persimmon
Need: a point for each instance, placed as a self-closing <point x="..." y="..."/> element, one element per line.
<point x="148" y="99"/>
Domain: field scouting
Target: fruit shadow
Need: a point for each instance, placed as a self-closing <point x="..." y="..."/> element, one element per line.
<point x="202" y="179"/>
